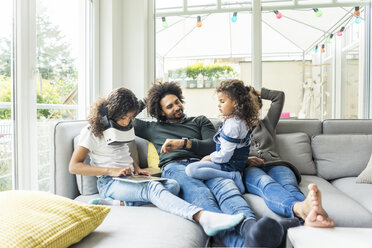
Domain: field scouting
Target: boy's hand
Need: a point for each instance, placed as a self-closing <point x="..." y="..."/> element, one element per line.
<point x="142" y="172"/>
<point x="206" y="158"/>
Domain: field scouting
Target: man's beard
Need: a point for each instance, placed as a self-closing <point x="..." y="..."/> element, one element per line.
<point x="176" y="116"/>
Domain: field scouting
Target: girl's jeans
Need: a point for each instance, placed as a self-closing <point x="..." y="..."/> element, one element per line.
<point x="277" y="185"/>
<point x="161" y="194"/>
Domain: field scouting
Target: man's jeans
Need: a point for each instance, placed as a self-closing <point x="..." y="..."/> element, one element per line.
<point x="277" y="185"/>
<point x="221" y="195"/>
<point x="161" y="194"/>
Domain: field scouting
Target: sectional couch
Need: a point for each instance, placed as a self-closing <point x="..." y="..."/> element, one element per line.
<point x="330" y="153"/>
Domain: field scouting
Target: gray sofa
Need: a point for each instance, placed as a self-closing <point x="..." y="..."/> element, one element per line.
<point x="331" y="154"/>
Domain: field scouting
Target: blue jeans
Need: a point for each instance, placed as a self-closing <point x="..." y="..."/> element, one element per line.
<point x="216" y="195"/>
<point x="161" y="194"/>
<point x="206" y="170"/>
<point x="277" y="185"/>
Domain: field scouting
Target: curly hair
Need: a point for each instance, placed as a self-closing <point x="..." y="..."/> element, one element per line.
<point x="247" y="109"/>
<point x="119" y="102"/>
<point x="256" y="95"/>
<point x="156" y="93"/>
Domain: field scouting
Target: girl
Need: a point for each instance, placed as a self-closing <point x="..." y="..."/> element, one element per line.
<point x="233" y="138"/>
<point x="107" y="161"/>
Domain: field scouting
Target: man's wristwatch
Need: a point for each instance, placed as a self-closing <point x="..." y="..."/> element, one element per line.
<point x="185" y="142"/>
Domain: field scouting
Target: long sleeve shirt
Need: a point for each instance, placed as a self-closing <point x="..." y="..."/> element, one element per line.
<point x="233" y="128"/>
<point x="199" y="130"/>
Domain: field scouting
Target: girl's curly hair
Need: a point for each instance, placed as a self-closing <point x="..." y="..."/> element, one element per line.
<point x="156" y="93"/>
<point x="119" y="102"/>
<point x="247" y="109"/>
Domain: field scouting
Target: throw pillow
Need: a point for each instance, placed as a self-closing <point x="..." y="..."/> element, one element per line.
<point x="366" y="175"/>
<point x="152" y="156"/>
<point x="40" y="219"/>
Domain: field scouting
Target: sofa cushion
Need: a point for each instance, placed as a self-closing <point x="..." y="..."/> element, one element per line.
<point x="339" y="156"/>
<point x="145" y="226"/>
<point x="361" y="193"/>
<point x="87" y="185"/>
<point x="296" y="149"/>
<point x="366" y="175"/>
<point x="40" y="219"/>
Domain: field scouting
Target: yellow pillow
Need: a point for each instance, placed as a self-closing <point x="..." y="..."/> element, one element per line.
<point x="40" y="219"/>
<point x="152" y="156"/>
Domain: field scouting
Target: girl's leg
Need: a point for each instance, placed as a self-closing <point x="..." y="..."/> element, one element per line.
<point x="276" y="197"/>
<point x="285" y="177"/>
<point x="206" y="170"/>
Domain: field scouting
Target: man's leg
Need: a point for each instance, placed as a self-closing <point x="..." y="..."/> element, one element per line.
<point x="265" y="232"/>
<point x="285" y="177"/>
<point x="192" y="190"/>
<point x="276" y="197"/>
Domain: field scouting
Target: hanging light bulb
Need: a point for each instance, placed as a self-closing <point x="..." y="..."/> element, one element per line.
<point x="357" y="11"/>
<point x="358" y="20"/>
<point x="278" y="14"/>
<point x="339" y="33"/>
<point x="323" y="48"/>
<point x="318" y="13"/>
<point x="330" y="38"/>
<point x="316" y="49"/>
<point x="234" y="18"/>
<point x="198" y="22"/>
<point x="164" y="22"/>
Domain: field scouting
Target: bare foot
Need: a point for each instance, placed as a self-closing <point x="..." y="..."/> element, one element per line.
<point x="314" y="219"/>
<point x="311" y="209"/>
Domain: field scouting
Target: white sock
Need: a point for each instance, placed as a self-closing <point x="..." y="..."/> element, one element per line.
<point x="215" y="222"/>
<point x="107" y="201"/>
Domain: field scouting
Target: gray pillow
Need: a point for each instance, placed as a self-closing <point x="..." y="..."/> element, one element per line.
<point x="343" y="155"/>
<point x="295" y="148"/>
<point x="366" y="175"/>
<point x="87" y="185"/>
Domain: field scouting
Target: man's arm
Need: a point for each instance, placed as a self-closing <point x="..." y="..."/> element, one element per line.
<point x="277" y="102"/>
<point x="205" y="145"/>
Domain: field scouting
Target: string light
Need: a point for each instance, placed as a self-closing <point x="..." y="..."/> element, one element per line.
<point x="330" y="38"/>
<point x="198" y="22"/>
<point x="323" y="49"/>
<point x="234" y="18"/>
<point x="316" y="49"/>
<point x="278" y="14"/>
<point x="318" y="13"/>
<point x="164" y="22"/>
<point x="358" y="20"/>
<point x="339" y="33"/>
<point x="357" y="11"/>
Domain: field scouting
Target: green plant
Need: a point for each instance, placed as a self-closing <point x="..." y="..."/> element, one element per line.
<point x="193" y="71"/>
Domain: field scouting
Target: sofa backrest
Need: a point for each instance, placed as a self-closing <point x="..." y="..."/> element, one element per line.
<point x="347" y="126"/>
<point x="310" y="126"/>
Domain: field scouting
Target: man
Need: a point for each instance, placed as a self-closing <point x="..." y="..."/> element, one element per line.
<point x="180" y="140"/>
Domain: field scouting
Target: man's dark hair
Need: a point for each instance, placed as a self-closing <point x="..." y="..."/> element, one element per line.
<point x="156" y="93"/>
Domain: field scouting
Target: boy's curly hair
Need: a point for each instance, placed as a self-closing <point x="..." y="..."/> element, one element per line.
<point x="119" y="102"/>
<point x="156" y="93"/>
<point x="247" y="109"/>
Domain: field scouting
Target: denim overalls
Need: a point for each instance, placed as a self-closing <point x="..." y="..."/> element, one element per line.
<point x="239" y="158"/>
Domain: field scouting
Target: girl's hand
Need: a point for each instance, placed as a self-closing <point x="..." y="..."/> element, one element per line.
<point x="254" y="161"/>
<point x="142" y="172"/>
<point x="117" y="172"/>
<point x="206" y="158"/>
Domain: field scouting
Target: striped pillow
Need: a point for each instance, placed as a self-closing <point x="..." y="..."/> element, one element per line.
<point x="40" y="219"/>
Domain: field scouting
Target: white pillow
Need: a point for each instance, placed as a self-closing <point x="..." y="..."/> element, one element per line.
<point x="366" y="175"/>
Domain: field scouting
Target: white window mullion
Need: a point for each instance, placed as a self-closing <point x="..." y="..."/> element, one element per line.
<point x="25" y="95"/>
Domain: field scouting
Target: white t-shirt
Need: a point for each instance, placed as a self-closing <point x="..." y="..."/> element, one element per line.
<point x="103" y="155"/>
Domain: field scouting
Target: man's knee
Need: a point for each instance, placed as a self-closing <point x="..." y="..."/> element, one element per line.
<point x="172" y="186"/>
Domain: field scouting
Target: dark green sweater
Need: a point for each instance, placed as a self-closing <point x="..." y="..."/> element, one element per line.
<point x="198" y="129"/>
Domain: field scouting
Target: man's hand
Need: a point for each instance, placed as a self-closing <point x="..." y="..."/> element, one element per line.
<point x="206" y="158"/>
<point x="171" y="144"/>
<point x="117" y="172"/>
<point x="254" y="161"/>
